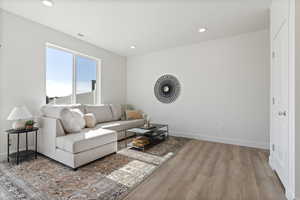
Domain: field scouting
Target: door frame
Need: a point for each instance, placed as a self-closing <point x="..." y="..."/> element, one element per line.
<point x="280" y="73"/>
<point x="290" y="193"/>
<point x="290" y="187"/>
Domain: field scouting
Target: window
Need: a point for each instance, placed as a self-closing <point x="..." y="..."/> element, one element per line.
<point x="71" y="77"/>
<point x="86" y="76"/>
<point x="59" y="76"/>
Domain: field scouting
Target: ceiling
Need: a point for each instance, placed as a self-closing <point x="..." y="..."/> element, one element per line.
<point x="150" y="25"/>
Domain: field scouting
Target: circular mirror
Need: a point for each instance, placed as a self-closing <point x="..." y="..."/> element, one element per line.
<point x="167" y="88"/>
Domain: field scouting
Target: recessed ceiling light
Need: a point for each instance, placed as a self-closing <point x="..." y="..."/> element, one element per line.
<point x="202" y="30"/>
<point x="80" y="34"/>
<point x="132" y="47"/>
<point x="48" y="3"/>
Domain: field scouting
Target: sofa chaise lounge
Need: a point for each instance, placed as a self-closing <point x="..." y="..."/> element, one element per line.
<point x="79" y="148"/>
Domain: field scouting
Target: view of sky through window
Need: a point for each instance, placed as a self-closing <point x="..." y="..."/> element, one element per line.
<point x="59" y="73"/>
<point x="86" y="71"/>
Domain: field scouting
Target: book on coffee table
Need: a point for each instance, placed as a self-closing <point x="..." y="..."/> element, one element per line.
<point x="139" y="130"/>
<point x="148" y="128"/>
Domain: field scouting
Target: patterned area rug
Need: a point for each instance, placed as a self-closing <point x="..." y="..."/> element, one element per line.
<point x="109" y="178"/>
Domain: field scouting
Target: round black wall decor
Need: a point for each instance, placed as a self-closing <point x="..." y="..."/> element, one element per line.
<point x="167" y="88"/>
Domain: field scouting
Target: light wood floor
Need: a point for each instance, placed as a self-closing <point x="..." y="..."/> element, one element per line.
<point x="212" y="171"/>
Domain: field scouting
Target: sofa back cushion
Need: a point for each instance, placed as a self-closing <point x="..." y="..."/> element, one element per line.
<point x="117" y="111"/>
<point x="102" y="113"/>
<point x="72" y="120"/>
<point x="53" y="111"/>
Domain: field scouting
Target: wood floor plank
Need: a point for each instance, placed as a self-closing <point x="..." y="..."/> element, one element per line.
<point x="180" y="190"/>
<point x="212" y="171"/>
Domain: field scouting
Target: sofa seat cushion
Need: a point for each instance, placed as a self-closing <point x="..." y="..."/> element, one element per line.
<point x="85" y="140"/>
<point x="121" y="125"/>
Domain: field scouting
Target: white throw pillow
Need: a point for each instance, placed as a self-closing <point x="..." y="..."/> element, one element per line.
<point x="90" y="120"/>
<point x="72" y="120"/>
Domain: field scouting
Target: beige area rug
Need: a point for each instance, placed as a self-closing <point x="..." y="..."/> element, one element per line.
<point x="109" y="178"/>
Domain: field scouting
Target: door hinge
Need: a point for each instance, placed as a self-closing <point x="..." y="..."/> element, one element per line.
<point x="273" y="100"/>
<point x="273" y="147"/>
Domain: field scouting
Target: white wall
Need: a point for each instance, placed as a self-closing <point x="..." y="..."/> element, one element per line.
<point x="22" y="66"/>
<point x="297" y="136"/>
<point x="225" y="89"/>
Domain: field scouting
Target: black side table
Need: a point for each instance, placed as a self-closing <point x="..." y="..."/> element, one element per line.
<point x="25" y="153"/>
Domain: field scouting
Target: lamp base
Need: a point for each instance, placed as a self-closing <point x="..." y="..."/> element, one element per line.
<point x="20" y="124"/>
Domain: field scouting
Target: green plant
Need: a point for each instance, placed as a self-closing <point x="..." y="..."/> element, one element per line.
<point x="29" y="123"/>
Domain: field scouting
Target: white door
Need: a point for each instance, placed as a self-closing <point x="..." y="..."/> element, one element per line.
<point x="279" y="132"/>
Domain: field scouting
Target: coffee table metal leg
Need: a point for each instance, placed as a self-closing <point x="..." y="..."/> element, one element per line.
<point x="167" y="131"/>
<point x="18" y="150"/>
<point x="36" y="132"/>
<point x="8" y="147"/>
<point x="126" y="139"/>
<point x="26" y="141"/>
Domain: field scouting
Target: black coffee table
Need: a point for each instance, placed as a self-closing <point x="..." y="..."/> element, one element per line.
<point x="156" y="133"/>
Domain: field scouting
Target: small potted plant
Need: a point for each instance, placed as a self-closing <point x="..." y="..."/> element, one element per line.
<point x="29" y="124"/>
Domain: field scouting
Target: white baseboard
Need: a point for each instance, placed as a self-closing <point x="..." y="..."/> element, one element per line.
<point x="271" y="162"/>
<point x="3" y="156"/>
<point x="260" y="145"/>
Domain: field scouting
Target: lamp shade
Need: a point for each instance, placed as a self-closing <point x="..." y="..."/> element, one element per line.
<point x="19" y="113"/>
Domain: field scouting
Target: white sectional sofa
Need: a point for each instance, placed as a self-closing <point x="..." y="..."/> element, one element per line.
<point x="89" y="144"/>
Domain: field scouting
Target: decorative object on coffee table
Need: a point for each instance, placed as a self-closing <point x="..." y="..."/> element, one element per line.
<point x="19" y="114"/>
<point x="167" y="88"/>
<point x="155" y="134"/>
<point x="147" y="120"/>
<point x="21" y="154"/>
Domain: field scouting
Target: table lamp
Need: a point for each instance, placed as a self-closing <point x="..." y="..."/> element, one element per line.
<point x="19" y="114"/>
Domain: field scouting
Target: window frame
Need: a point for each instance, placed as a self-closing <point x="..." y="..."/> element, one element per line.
<point x="74" y="71"/>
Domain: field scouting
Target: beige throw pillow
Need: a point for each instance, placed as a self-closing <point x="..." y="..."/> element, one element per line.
<point x="90" y="120"/>
<point x="133" y="114"/>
